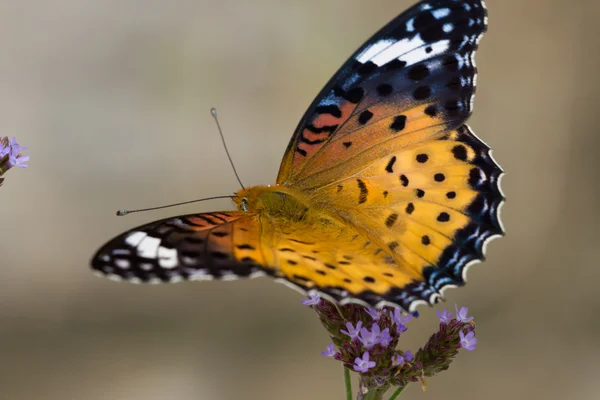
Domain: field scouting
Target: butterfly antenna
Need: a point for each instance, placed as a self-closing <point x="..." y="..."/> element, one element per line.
<point x="213" y="112"/>
<point x="120" y="213"/>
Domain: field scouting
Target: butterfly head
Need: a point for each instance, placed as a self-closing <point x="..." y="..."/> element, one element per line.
<point x="250" y="199"/>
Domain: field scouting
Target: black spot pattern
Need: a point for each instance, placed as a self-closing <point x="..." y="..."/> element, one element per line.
<point x="420" y="193"/>
<point x="431" y="110"/>
<point x="391" y="220"/>
<point x="410" y="208"/>
<point x="404" y="180"/>
<point x="439" y="177"/>
<point x="443" y="217"/>
<point x="422" y="92"/>
<point x="425" y="240"/>
<point x="399" y="123"/>
<point x="422" y="158"/>
<point x="385" y="89"/>
<point x="353" y="95"/>
<point x="364" y="192"/>
<point x="367" y="68"/>
<point x="347" y="144"/>
<point x="365" y="116"/>
<point x="451" y="195"/>
<point x="329" y="109"/>
<point x="418" y="72"/>
<point x="460" y="152"/>
<point x="390" y="165"/>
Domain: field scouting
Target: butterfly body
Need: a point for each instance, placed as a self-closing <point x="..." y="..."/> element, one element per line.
<point x="384" y="195"/>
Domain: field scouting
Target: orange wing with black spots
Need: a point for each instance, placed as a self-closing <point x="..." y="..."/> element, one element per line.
<point x="385" y="148"/>
<point x="417" y="73"/>
<point x="313" y="253"/>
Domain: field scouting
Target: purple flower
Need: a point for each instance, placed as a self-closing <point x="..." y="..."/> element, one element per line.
<point x="444" y="316"/>
<point x="370" y="339"/>
<point x="385" y="338"/>
<point x="468" y="341"/>
<point x="352" y="332"/>
<point x="408" y="356"/>
<point x="4" y="149"/>
<point x="363" y="364"/>
<point x="397" y="360"/>
<point x="330" y="352"/>
<point x="462" y="314"/>
<point x="312" y="300"/>
<point x="374" y="313"/>
<point x="13" y="150"/>
<point x="400" y="320"/>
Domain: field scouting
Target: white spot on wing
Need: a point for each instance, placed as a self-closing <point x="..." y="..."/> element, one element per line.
<point x="228" y="275"/>
<point x="448" y="27"/>
<point x="373" y="50"/>
<point x="201" y="275"/>
<point x="398" y="49"/>
<point x="441" y="13"/>
<point x="421" y="54"/>
<point x="410" y="25"/>
<point x="148" y="247"/>
<point x="122" y="263"/>
<point x="114" y="277"/>
<point x="135" y="238"/>
<point x="167" y="258"/>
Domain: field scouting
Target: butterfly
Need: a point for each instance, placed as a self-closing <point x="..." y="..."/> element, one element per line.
<point x="384" y="196"/>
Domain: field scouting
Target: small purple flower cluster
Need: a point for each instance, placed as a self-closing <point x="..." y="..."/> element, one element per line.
<point x="11" y="155"/>
<point x="365" y="340"/>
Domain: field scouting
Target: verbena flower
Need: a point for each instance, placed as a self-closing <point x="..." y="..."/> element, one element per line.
<point x="366" y="340"/>
<point x="370" y="339"/>
<point x="468" y="341"/>
<point x="312" y="300"/>
<point x="352" y="331"/>
<point x="330" y="352"/>
<point x="444" y="316"/>
<point x="11" y="155"/>
<point x="374" y="313"/>
<point x="462" y="314"/>
<point x="397" y="360"/>
<point x="363" y="364"/>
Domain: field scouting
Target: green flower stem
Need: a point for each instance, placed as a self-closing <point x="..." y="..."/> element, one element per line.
<point x="373" y="394"/>
<point x="397" y="392"/>
<point x="348" y="383"/>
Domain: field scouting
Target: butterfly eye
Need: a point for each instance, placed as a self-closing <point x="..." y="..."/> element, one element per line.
<point x="244" y="204"/>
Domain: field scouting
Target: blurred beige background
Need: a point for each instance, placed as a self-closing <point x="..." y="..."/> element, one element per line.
<point x="113" y="99"/>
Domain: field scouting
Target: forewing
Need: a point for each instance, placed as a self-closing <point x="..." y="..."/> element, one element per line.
<point x="415" y="76"/>
<point x="217" y="245"/>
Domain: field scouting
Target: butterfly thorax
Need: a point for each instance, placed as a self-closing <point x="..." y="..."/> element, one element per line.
<point x="274" y="201"/>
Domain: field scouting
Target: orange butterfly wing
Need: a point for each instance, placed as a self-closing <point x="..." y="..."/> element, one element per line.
<point x="385" y="148"/>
